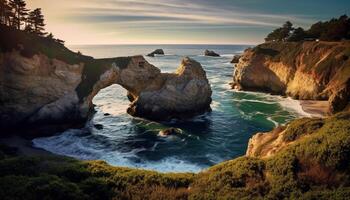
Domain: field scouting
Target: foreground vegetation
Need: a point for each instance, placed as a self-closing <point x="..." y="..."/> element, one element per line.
<point x="315" y="166"/>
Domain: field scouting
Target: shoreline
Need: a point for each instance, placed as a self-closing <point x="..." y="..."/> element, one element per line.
<point x="315" y="108"/>
<point x="24" y="146"/>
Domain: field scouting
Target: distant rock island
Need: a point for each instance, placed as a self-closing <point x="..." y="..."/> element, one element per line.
<point x="235" y="59"/>
<point x="156" y="52"/>
<point x="211" y="53"/>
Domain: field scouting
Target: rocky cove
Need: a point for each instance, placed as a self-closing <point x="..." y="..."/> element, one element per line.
<point x="302" y="70"/>
<point x="40" y="88"/>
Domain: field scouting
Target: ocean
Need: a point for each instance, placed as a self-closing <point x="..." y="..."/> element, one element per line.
<point x="205" y="140"/>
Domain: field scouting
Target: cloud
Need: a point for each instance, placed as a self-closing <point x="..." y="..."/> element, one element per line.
<point x="121" y="11"/>
<point x="172" y="21"/>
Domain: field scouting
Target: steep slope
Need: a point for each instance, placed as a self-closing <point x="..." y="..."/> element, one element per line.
<point x="42" y="84"/>
<point x="302" y="70"/>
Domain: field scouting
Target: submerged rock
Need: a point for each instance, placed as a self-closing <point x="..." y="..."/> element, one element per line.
<point x="211" y="53"/>
<point x="169" y="131"/>
<point x="235" y="59"/>
<point x="157" y="51"/>
<point x="98" y="126"/>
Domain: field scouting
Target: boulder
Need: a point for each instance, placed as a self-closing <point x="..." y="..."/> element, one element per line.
<point x="211" y="53"/>
<point x="157" y="51"/>
<point x="235" y="59"/>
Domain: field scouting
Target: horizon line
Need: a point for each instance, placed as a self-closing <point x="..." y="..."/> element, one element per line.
<point x="136" y="44"/>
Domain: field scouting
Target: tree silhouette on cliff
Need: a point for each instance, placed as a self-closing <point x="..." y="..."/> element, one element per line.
<point x="13" y="13"/>
<point x="332" y="30"/>
<point x="36" y="22"/>
<point x="19" y="12"/>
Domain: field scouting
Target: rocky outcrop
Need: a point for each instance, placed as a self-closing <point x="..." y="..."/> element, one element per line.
<point x="164" y="96"/>
<point x="36" y="89"/>
<point x="235" y="59"/>
<point x="40" y="90"/>
<point x="264" y="145"/>
<point x="304" y="70"/>
<point x="211" y="53"/>
<point x="157" y="51"/>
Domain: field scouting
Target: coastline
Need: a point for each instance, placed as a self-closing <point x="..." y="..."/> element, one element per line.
<point x="315" y="108"/>
<point x="24" y="146"/>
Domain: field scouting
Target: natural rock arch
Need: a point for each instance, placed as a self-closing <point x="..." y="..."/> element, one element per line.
<point x="159" y="96"/>
<point x="49" y="91"/>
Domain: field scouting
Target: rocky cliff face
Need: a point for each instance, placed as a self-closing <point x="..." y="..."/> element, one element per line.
<point x="184" y="93"/>
<point x="40" y="90"/>
<point x="305" y="70"/>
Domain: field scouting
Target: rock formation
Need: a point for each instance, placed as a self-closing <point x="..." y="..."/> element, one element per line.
<point x="41" y="90"/>
<point x="304" y="70"/>
<point x="235" y="59"/>
<point x="211" y="53"/>
<point x="157" y="51"/>
<point x="163" y="96"/>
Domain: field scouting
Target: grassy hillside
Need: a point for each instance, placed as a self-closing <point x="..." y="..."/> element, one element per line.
<point x="315" y="166"/>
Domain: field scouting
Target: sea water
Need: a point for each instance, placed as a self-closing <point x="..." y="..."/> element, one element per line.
<point x="205" y="140"/>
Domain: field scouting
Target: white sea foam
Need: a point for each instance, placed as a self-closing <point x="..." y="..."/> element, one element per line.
<point x="292" y="104"/>
<point x="253" y="101"/>
<point x="273" y="121"/>
<point x="72" y="144"/>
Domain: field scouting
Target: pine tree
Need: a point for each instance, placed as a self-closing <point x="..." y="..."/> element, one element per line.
<point x="5" y="12"/>
<point x="36" y="22"/>
<point x="20" y="12"/>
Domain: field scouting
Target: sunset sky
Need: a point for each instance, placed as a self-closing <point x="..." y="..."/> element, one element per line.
<point x="179" y="21"/>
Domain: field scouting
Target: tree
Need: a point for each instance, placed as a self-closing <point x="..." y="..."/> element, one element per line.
<point x="297" y="35"/>
<point x="281" y="34"/>
<point x="36" y="22"/>
<point x="20" y="12"/>
<point x="5" y="12"/>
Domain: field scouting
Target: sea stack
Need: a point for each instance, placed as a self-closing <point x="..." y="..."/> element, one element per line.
<point x="182" y="94"/>
<point x="211" y="53"/>
<point x="156" y="52"/>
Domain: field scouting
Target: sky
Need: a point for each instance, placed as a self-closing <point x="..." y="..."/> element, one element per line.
<point x="179" y="21"/>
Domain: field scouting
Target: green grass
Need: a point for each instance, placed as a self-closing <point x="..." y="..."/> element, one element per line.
<point x="313" y="167"/>
<point x="301" y="127"/>
<point x="319" y="162"/>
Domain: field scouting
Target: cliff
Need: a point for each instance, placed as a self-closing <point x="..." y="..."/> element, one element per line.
<point x="307" y="159"/>
<point x="43" y="84"/>
<point x="302" y="70"/>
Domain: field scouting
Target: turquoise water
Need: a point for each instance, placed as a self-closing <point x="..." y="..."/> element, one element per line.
<point x="206" y="140"/>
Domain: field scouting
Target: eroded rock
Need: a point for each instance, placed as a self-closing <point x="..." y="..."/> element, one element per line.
<point x="304" y="70"/>
<point x="235" y="59"/>
<point x="211" y="53"/>
<point x="156" y="52"/>
<point x="44" y="91"/>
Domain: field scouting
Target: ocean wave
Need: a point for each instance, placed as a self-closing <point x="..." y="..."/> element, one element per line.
<point x="292" y="104"/>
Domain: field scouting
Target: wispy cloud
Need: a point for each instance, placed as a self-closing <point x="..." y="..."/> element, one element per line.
<point x="177" y="21"/>
<point x="120" y="11"/>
